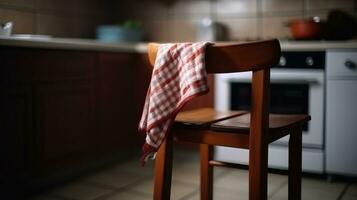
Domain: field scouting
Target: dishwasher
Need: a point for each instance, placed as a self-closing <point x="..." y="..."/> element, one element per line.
<point x="341" y="112"/>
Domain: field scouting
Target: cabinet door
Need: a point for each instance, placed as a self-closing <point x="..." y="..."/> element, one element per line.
<point x="15" y="115"/>
<point x="115" y="110"/>
<point x="63" y="109"/>
<point x="64" y="124"/>
<point x="341" y="127"/>
<point x="15" y="131"/>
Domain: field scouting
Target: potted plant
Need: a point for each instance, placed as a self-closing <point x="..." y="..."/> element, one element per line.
<point x="129" y="31"/>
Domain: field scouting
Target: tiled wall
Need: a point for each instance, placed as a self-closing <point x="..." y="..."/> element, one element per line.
<point x="245" y="19"/>
<point x="61" y="18"/>
<point x="173" y="20"/>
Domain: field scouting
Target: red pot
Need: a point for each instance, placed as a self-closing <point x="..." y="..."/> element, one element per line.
<point x="305" y="29"/>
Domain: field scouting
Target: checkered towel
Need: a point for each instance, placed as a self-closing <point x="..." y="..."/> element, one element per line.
<point x="179" y="75"/>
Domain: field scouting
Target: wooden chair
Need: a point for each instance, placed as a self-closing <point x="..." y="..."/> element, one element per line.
<point x="253" y="131"/>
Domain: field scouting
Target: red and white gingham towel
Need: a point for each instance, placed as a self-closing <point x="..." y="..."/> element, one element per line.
<point x="179" y="74"/>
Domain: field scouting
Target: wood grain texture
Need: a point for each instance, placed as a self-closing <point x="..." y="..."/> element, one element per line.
<point x="258" y="139"/>
<point x="235" y="57"/>
<point x="163" y="170"/>
<point x="295" y="145"/>
<point x="279" y="124"/>
<point x="204" y="116"/>
<point x="206" y="154"/>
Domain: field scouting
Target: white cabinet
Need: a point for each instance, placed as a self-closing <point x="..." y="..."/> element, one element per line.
<point x="341" y="112"/>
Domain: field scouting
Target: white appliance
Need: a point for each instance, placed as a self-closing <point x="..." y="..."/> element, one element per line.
<point x="297" y="86"/>
<point x="341" y="112"/>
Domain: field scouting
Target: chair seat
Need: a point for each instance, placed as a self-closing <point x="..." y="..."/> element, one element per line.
<point x="277" y="122"/>
<point x="233" y="122"/>
<point x="203" y="117"/>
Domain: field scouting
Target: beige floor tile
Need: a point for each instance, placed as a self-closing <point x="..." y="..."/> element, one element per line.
<point x="186" y="172"/>
<point x="322" y="184"/>
<point x="178" y="189"/>
<point x="275" y="182"/>
<point x="237" y="182"/>
<point x="133" y="166"/>
<point x="145" y="186"/>
<point x="80" y="191"/>
<point x="221" y="194"/>
<point x="233" y="180"/>
<point x="349" y="197"/>
<point x="129" y="195"/>
<point x="352" y="190"/>
<point x="182" y="153"/>
<point x="189" y="171"/>
<point x="313" y="189"/>
<point x="116" y="180"/>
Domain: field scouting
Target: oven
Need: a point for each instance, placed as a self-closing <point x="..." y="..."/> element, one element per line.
<point x="297" y="87"/>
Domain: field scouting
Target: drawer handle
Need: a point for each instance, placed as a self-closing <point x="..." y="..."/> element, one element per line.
<point x="350" y="64"/>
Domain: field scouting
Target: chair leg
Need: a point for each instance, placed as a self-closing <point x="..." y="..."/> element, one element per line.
<point x="295" y="143"/>
<point x="206" y="172"/>
<point x="163" y="170"/>
<point x="258" y="173"/>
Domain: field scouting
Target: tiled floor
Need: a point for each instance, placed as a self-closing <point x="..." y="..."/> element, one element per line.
<point x="129" y="181"/>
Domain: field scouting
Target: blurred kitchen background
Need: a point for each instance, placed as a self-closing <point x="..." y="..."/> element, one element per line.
<point x="72" y="86"/>
<point x="165" y="20"/>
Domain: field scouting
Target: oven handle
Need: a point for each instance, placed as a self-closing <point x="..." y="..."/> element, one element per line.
<point x="309" y="81"/>
<point x="295" y="81"/>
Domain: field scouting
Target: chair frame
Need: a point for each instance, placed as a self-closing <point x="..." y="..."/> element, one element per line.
<point x="225" y="58"/>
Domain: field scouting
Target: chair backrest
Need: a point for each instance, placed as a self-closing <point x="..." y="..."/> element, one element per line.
<point x="235" y="57"/>
<point x="238" y="57"/>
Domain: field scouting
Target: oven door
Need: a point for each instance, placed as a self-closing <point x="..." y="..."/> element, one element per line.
<point x="293" y="91"/>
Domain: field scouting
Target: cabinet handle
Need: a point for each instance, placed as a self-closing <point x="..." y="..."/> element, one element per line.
<point x="350" y="64"/>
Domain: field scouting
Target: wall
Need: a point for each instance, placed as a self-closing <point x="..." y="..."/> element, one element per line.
<point x="164" y="20"/>
<point x="61" y="18"/>
<point x="245" y="19"/>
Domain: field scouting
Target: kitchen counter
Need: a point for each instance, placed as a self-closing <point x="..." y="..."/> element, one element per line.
<point x="72" y="44"/>
<point x="141" y="47"/>
<point x="320" y="45"/>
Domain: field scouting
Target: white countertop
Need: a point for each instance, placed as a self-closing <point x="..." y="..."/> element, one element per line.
<point x="141" y="47"/>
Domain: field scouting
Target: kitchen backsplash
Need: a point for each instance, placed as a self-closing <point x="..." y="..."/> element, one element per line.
<point x="244" y="19"/>
<point x="61" y="18"/>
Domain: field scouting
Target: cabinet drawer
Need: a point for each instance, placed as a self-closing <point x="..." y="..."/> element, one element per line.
<point x="28" y="64"/>
<point x="342" y="63"/>
<point x="15" y="65"/>
<point x="51" y="65"/>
